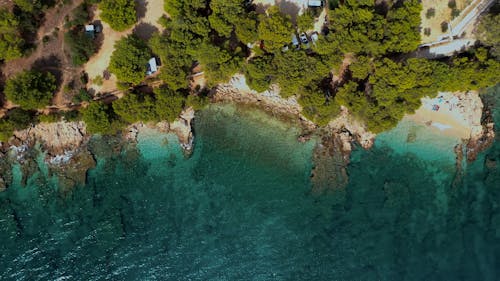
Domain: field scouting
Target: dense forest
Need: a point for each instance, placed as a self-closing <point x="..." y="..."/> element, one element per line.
<point x="363" y="60"/>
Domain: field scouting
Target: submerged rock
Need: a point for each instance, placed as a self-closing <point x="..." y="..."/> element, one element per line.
<point x="73" y="172"/>
<point x="330" y="158"/>
<point x="3" y="185"/>
<point x="357" y="131"/>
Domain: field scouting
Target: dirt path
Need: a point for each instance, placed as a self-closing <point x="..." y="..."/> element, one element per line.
<point x="54" y="18"/>
<point x="338" y="76"/>
<point x="100" y="61"/>
<point x="149" y="11"/>
<point x="49" y="55"/>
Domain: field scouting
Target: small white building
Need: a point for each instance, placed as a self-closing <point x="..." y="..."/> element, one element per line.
<point x="89" y="28"/>
<point x="315" y="3"/>
<point x="152" y="66"/>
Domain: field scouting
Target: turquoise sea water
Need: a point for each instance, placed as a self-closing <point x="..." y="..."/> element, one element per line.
<point x="240" y="208"/>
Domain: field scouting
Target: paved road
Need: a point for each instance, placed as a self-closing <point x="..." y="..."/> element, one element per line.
<point x="448" y="46"/>
<point x="471" y="17"/>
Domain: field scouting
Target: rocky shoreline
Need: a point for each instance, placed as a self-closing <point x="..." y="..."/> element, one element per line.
<point x="66" y="148"/>
<point x="67" y="153"/>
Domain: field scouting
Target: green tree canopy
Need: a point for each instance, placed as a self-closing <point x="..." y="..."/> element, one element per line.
<point x="11" y="42"/>
<point x="305" y="21"/>
<point x="82" y="46"/>
<point x="31" y="89"/>
<point x="275" y="29"/>
<point x="258" y="73"/>
<point x="357" y="28"/>
<point x="175" y="59"/>
<point x="97" y="117"/>
<point x="225" y="13"/>
<point x="295" y="70"/>
<point x="169" y="103"/>
<point x="16" y="119"/>
<point x="29" y="6"/>
<point x="135" y="107"/>
<point x="361" y="67"/>
<point x="219" y="65"/>
<point x="403" y="27"/>
<point x="129" y="60"/>
<point x="164" y="104"/>
<point x="119" y="14"/>
<point x="489" y="32"/>
<point x="229" y="15"/>
<point x="316" y="106"/>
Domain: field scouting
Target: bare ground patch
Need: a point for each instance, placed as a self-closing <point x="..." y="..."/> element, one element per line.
<point x="49" y="54"/>
<point x="149" y="12"/>
<point x="442" y="13"/>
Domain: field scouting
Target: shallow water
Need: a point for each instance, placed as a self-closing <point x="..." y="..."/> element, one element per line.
<point x="241" y="209"/>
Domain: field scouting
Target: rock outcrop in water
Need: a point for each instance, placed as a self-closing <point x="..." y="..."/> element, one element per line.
<point x="65" y="144"/>
<point x="182" y="128"/>
<point x="485" y="134"/>
<point x="331" y="155"/>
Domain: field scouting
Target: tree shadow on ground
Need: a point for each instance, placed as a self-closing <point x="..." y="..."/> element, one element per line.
<point x="289" y="8"/>
<point x="141" y="8"/>
<point x="2" y="86"/>
<point x="144" y="31"/>
<point x="50" y="64"/>
<point x="99" y="37"/>
<point x="261" y="8"/>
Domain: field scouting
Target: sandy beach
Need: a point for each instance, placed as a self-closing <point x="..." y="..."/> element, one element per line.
<point x="453" y="114"/>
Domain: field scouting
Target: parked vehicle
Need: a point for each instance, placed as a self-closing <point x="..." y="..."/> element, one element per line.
<point x="295" y="41"/>
<point x="304" y="41"/>
<point x="303" y="38"/>
<point x="315" y="3"/>
<point x="314" y="37"/>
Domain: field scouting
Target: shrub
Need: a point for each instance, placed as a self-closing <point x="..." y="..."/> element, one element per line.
<point x="98" y="80"/>
<point x="444" y="26"/>
<point x="82" y="96"/>
<point x="119" y="14"/>
<point x="98" y="118"/>
<point x="31" y="89"/>
<point x="82" y="46"/>
<point x="430" y="13"/>
<point x="11" y="43"/>
<point x="452" y="4"/>
<point x="49" y="118"/>
<point x="16" y="119"/>
<point x="129" y="60"/>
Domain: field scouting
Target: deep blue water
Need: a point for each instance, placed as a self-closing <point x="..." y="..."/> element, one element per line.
<point x="241" y="209"/>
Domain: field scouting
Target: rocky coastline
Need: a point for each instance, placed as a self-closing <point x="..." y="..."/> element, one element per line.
<point x="65" y="146"/>
<point x="67" y="154"/>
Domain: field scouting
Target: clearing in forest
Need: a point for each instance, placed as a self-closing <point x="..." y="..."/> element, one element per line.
<point x="149" y="12"/>
<point x="436" y="14"/>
